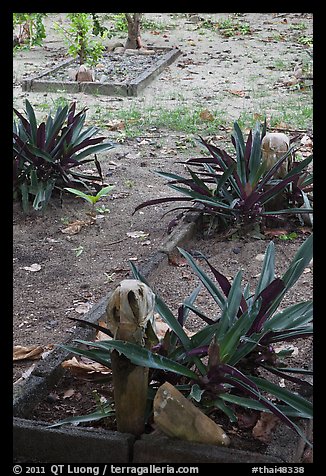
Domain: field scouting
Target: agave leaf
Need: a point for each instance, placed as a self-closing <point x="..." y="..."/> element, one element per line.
<point x="188" y="302"/>
<point x="280" y="373"/>
<point x="48" y="131"/>
<point x="288" y="335"/>
<point x="204" y="336"/>
<point x="288" y="211"/>
<point x="214" y="203"/>
<point x="86" y="143"/>
<point x="200" y="184"/>
<point x="255" y="405"/>
<point x="295" y="370"/>
<point x="101" y="356"/>
<point x="300" y="261"/>
<point x="291" y="317"/>
<point x="295" y="401"/>
<point x="269" y="405"/>
<point x="225" y="284"/>
<point x="231" y="306"/>
<point x="57" y="124"/>
<point x="143" y="357"/>
<point x="276" y="189"/>
<point x="228" y="369"/>
<point x="199" y="313"/>
<point x="32" y="121"/>
<point x="267" y="274"/>
<point x="240" y="150"/>
<point x="299" y="167"/>
<point x="230" y="340"/>
<point x="268" y="296"/>
<point x="24" y="193"/>
<point x="39" y="153"/>
<point x="255" y="156"/>
<point x="207" y="282"/>
<point x="247" y="154"/>
<point x="225" y="161"/>
<point x="78" y="135"/>
<point x="227" y="174"/>
<point x="164" y="311"/>
<point x="71" y="113"/>
<point x="244" y="346"/>
<point x="24" y="122"/>
<point x="105" y="330"/>
<point x="218" y="403"/>
<point x="156" y="201"/>
<point x="92" y="150"/>
<point x="200" y="161"/>
<point x="104" y="412"/>
<point x="43" y="194"/>
<point x="40" y="136"/>
<point x="170" y="176"/>
<point x="190" y="193"/>
<point x="274" y="169"/>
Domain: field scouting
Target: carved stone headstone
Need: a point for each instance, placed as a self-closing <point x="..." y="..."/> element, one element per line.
<point x="84" y="74"/>
<point x="274" y="146"/>
<point x="130" y="311"/>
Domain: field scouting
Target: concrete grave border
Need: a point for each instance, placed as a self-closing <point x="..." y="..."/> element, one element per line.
<point x="34" y="441"/>
<point x="39" y="83"/>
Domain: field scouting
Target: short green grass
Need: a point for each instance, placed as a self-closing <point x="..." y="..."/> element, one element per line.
<point x="180" y="119"/>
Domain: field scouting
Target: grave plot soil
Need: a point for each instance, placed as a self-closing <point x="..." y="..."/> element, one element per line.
<point x="115" y="67"/>
<point x="75" y="270"/>
<point x="73" y="395"/>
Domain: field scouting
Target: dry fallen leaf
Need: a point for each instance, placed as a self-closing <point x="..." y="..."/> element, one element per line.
<point x="177" y="261"/>
<point x="33" y="267"/>
<point x="31" y="352"/>
<point x="265" y="426"/>
<point x="69" y="393"/>
<point x="237" y="92"/>
<point x="115" y="125"/>
<point x="275" y="232"/>
<point x="205" y="115"/>
<point x="75" y="227"/>
<point x="72" y="229"/>
<point x="84" y="368"/>
<point x="137" y="234"/>
<point x="25" y="374"/>
<point x="83" y="307"/>
<point x="101" y="335"/>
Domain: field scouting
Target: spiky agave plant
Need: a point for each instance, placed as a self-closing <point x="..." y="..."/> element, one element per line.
<point x="238" y="341"/>
<point x="47" y="156"/>
<point x="236" y="189"/>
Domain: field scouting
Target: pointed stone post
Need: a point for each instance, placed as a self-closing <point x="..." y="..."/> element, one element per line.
<point x="130" y="311"/>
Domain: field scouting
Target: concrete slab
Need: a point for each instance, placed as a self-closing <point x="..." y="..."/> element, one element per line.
<point x="166" y="450"/>
<point x="34" y="441"/>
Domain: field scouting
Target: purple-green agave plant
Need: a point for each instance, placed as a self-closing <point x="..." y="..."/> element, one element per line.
<point x="47" y="156"/>
<point x="237" y="189"/>
<point x="219" y="366"/>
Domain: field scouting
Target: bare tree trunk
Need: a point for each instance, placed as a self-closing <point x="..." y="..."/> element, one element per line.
<point x="134" y="41"/>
